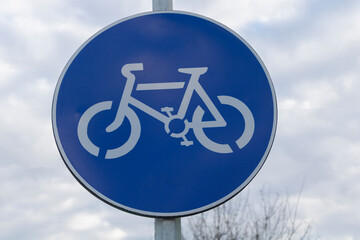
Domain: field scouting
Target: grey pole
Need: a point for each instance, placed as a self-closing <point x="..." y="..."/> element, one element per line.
<point x="166" y="228"/>
<point x="162" y="5"/>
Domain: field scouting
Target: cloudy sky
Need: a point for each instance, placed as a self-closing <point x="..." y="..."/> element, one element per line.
<point x="311" y="49"/>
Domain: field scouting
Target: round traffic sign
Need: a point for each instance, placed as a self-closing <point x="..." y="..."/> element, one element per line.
<point x="164" y="114"/>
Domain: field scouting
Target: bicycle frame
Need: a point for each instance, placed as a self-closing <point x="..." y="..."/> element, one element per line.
<point x="193" y="86"/>
<point x="197" y="124"/>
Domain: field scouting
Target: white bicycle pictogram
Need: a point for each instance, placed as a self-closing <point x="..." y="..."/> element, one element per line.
<point x="166" y="115"/>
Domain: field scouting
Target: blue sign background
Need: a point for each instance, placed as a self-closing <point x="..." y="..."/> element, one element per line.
<point x="159" y="177"/>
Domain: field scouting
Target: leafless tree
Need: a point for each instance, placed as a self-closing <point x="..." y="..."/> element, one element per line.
<point x="274" y="217"/>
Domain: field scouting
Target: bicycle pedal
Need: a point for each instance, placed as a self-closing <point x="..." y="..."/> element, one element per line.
<point x="187" y="143"/>
<point x="167" y="109"/>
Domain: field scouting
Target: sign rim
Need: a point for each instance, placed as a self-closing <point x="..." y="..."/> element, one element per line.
<point x="117" y="205"/>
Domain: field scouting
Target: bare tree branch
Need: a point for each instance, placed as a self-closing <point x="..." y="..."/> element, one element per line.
<point x="274" y="217"/>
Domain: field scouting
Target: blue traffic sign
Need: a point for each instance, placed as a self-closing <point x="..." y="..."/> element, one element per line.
<point x="164" y="114"/>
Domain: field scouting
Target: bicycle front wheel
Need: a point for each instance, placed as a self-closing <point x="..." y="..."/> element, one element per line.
<point x="89" y="146"/>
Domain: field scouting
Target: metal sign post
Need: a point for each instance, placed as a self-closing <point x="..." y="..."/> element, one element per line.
<point x="162" y="5"/>
<point x="166" y="229"/>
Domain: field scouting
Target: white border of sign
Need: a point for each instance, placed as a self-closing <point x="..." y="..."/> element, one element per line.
<point x="147" y="213"/>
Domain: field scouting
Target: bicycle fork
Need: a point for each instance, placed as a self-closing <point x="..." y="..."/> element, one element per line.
<point x="126" y="71"/>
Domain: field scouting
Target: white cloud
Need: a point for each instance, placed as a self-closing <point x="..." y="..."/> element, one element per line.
<point x="247" y="12"/>
<point x="113" y="234"/>
<point x="85" y="221"/>
<point x="27" y="124"/>
<point x="7" y="72"/>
